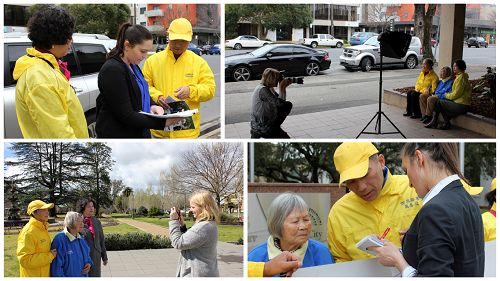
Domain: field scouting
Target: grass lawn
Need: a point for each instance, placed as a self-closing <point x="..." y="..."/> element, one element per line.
<point x="227" y="233"/>
<point x="11" y="266"/>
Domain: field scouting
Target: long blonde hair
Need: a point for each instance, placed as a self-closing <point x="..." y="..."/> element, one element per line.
<point x="210" y="209"/>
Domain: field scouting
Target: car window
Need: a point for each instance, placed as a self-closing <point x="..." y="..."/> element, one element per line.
<point x="72" y="65"/>
<point x="356" y="35"/>
<point x="330" y="37"/>
<point x="301" y="51"/>
<point x="252" y="38"/>
<point x="91" y="57"/>
<point x="281" y="51"/>
<point x="262" y="50"/>
<point x="13" y="52"/>
<point x="372" y="41"/>
<point x="315" y="36"/>
<point x="480" y="39"/>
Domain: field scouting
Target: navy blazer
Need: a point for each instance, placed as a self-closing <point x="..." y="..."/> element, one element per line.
<point x="446" y="237"/>
<point x="119" y="102"/>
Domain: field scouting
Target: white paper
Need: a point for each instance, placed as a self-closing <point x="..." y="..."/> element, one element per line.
<point x="182" y="114"/>
<point x="368" y="241"/>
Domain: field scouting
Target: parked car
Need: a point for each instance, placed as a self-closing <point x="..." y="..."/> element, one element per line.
<point x="291" y="58"/>
<point x="85" y="59"/>
<point x="367" y="56"/>
<point x="195" y="49"/>
<point x="359" y="38"/>
<point x="205" y="48"/>
<point x="322" y="40"/>
<point x="214" y="50"/>
<point x="477" y="42"/>
<point x="246" y="41"/>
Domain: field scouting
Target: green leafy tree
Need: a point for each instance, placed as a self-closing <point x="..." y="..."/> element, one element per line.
<point x="480" y="158"/>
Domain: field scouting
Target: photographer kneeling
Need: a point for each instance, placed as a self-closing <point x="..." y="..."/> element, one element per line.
<point x="269" y="109"/>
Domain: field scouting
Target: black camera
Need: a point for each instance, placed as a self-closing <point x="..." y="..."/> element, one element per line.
<point x="295" y="80"/>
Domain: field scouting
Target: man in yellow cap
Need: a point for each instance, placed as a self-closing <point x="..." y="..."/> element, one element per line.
<point x="180" y="75"/>
<point x="490" y="217"/>
<point x="378" y="201"/>
<point x="33" y="243"/>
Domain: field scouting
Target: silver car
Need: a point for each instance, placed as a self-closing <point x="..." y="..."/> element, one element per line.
<point x="85" y="59"/>
<point x="366" y="56"/>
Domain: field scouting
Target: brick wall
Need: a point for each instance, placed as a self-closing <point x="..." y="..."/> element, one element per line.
<point x="335" y="192"/>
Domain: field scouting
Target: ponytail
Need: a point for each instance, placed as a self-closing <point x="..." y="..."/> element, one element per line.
<point x="134" y="34"/>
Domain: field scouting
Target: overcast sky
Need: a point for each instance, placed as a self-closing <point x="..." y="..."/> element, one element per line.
<point x="136" y="163"/>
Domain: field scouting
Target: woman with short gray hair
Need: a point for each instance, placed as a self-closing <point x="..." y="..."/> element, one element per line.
<point x="428" y="101"/>
<point x="289" y="227"/>
<point x="74" y="258"/>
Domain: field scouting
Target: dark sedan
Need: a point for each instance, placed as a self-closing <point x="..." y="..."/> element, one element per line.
<point x="477" y="42"/>
<point x="290" y="58"/>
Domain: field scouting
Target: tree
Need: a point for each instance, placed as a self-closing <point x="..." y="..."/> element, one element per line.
<point x="214" y="167"/>
<point x="117" y="186"/>
<point x="98" y="162"/>
<point x="48" y="171"/>
<point x="480" y="158"/>
<point x="127" y="192"/>
<point x="377" y="13"/>
<point x="423" y="26"/>
<point x="269" y="16"/>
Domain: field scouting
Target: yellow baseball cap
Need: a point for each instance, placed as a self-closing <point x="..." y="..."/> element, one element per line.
<point x="180" y="29"/>
<point x="352" y="159"/>
<point x="493" y="185"/>
<point x="472" y="190"/>
<point x="38" y="205"/>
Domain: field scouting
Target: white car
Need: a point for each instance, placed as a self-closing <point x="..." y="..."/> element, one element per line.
<point x="246" y="41"/>
<point x="322" y="40"/>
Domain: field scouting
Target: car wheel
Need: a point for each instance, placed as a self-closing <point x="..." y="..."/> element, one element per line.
<point x="349" y="69"/>
<point x="314" y="44"/>
<point x="237" y="46"/>
<point x="241" y="73"/>
<point x="468" y="46"/>
<point x="411" y="62"/>
<point x="486" y="46"/>
<point x="339" y="45"/>
<point x="477" y="46"/>
<point x="366" y="64"/>
<point x="91" y="117"/>
<point x="312" y="68"/>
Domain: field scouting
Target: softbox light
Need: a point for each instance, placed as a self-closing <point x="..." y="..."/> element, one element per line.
<point x="394" y="44"/>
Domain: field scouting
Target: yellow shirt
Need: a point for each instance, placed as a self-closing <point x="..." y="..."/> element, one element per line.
<point x="165" y="74"/>
<point x="424" y="81"/>
<point x="33" y="250"/>
<point x="490" y="224"/>
<point x="351" y="218"/>
<point x="46" y="104"/>
<point x="461" y="91"/>
<point x="255" y="269"/>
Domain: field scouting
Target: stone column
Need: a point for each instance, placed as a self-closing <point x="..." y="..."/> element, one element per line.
<point x="451" y="38"/>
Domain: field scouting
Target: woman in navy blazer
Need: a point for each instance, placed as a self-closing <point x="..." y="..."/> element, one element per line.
<point x="446" y="237"/>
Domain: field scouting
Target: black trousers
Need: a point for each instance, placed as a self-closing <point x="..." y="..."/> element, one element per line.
<point x="413" y="103"/>
<point x="276" y="133"/>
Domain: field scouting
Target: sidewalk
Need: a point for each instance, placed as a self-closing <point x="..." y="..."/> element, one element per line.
<point x="347" y="123"/>
<point x="146" y="227"/>
<point x="163" y="262"/>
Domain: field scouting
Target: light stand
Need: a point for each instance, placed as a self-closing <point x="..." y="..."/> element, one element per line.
<point x="378" y="115"/>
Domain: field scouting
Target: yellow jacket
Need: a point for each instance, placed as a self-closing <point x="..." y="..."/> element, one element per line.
<point x="490" y="224"/>
<point x="351" y="218"/>
<point x="255" y="269"/>
<point x="33" y="250"/>
<point x="424" y="81"/>
<point x="164" y="75"/>
<point x="46" y="104"/>
<point x="461" y="91"/>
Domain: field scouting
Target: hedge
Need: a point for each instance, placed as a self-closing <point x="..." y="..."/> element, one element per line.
<point x="135" y="241"/>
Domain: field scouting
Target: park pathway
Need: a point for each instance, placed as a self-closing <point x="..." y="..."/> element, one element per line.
<point x="147" y="227"/>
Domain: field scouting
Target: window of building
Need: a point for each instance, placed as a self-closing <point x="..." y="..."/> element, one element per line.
<point x="321" y="11"/>
<point x="142" y="10"/>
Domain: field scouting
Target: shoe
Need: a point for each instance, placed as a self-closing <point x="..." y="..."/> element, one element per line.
<point x="427" y="119"/>
<point x="444" y="126"/>
<point x="406" y="114"/>
<point x="416" y="117"/>
<point x="434" y="121"/>
<point x="423" y="118"/>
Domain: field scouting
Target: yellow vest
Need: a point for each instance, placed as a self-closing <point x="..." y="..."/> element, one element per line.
<point x="33" y="250"/>
<point x="165" y="74"/>
<point x="490" y="224"/>
<point x="255" y="269"/>
<point x="424" y="81"/>
<point x="351" y="218"/>
<point x="461" y="91"/>
<point x="46" y="104"/>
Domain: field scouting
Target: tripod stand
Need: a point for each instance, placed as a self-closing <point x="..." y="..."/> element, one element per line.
<point x="380" y="113"/>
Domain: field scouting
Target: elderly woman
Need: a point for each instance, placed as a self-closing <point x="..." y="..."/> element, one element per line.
<point x="73" y="259"/>
<point x="198" y="244"/>
<point x="446" y="237"/>
<point x="269" y="109"/>
<point x="490" y="217"/>
<point x="46" y="104"/>
<point x="455" y="102"/>
<point x="94" y="236"/>
<point x="289" y="224"/>
<point x="428" y="101"/>
<point x="426" y="85"/>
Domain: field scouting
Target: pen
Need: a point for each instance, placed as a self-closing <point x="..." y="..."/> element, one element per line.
<point x="385" y="233"/>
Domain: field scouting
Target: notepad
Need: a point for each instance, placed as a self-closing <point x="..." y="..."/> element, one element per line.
<point x="368" y="241"/>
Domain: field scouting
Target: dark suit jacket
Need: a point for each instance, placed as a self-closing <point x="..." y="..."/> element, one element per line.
<point x="96" y="244"/>
<point x="119" y="102"/>
<point x="446" y="237"/>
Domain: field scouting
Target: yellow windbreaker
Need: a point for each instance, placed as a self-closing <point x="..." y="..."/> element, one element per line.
<point x="461" y="91"/>
<point x="46" y="105"/>
<point x="165" y="74"/>
<point x="33" y="250"/>
<point x="424" y="81"/>
<point x="351" y="218"/>
<point x="255" y="269"/>
<point x="490" y="224"/>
